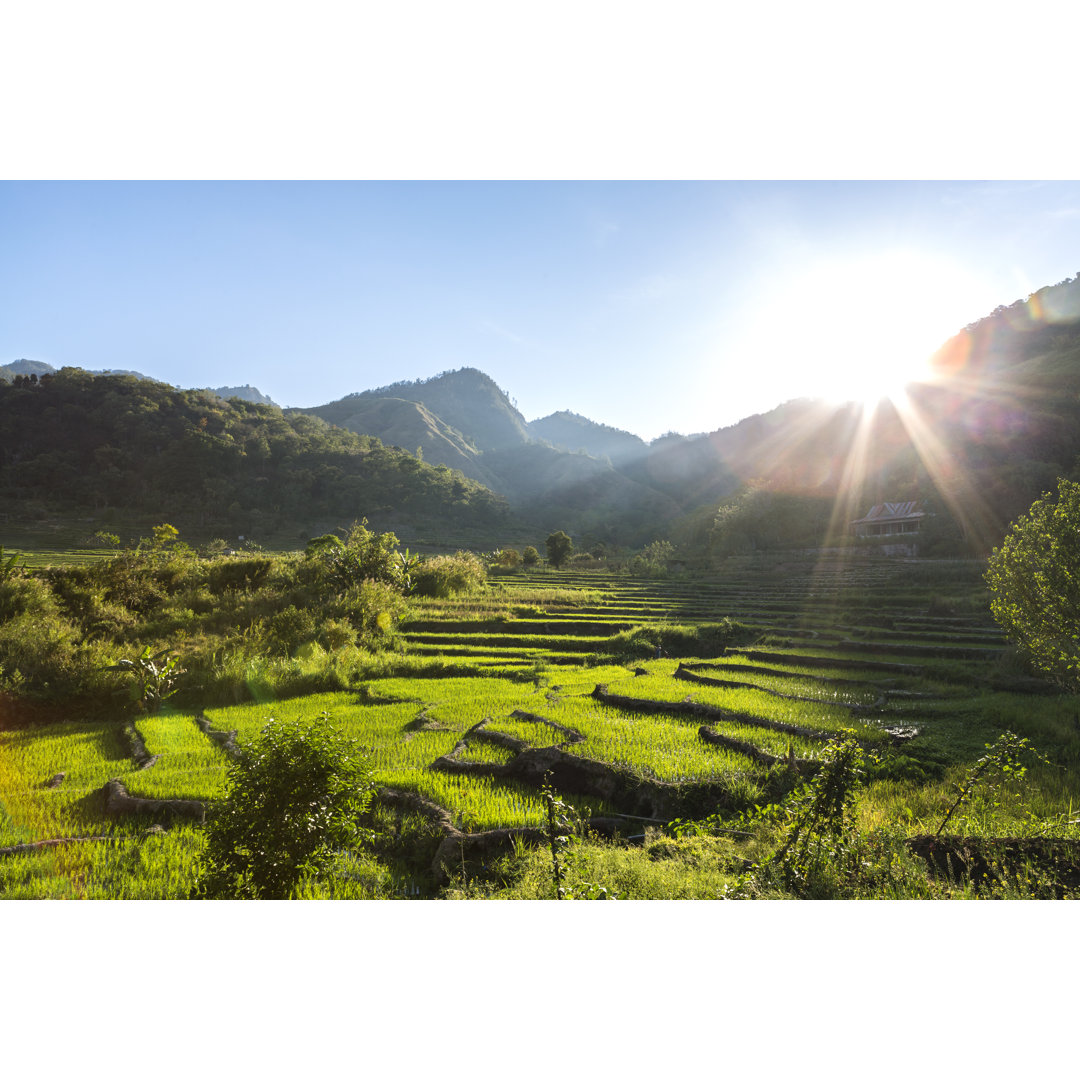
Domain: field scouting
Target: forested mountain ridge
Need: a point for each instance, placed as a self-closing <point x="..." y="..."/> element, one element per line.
<point x="569" y="431"/>
<point x="37" y="368"/>
<point x="464" y="420"/>
<point x="466" y="400"/>
<point x="74" y="441"/>
<point x="981" y="441"/>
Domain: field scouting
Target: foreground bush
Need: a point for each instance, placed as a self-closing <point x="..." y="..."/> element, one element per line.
<point x="294" y="798"/>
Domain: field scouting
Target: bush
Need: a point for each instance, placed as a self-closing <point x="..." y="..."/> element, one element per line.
<point x="289" y="629"/>
<point x="1035" y="580"/>
<point x="446" y="575"/>
<point x="230" y="574"/>
<point x="530" y="556"/>
<point x="364" y="556"/>
<point x="26" y="596"/>
<point x="374" y="609"/>
<point x="703" y="640"/>
<point x="653" y="561"/>
<point x="294" y="799"/>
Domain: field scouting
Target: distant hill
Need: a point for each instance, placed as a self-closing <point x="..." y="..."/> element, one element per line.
<point x="411" y="426"/>
<point x="24" y="367"/>
<point x="39" y="368"/>
<point x="569" y="431"/>
<point x="468" y="401"/>
<point x="244" y="393"/>
<point x="463" y="420"/>
<point x="978" y="444"/>
<point x="74" y="444"/>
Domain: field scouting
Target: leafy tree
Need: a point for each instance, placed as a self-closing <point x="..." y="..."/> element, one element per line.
<point x="530" y="556"/>
<point x="653" y="560"/>
<point x="294" y="798"/>
<point x="1035" y="580"/>
<point x="559" y="547"/>
<point x="508" y="558"/>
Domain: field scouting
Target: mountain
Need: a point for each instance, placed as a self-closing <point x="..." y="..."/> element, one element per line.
<point x="978" y="443"/>
<point x="74" y="444"/>
<point x="569" y="431"/>
<point x="39" y="367"/>
<point x="244" y="393"/>
<point x="409" y="425"/>
<point x="464" y="420"/>
<point x="24" y="367"/>
<point x="467" y="400"/>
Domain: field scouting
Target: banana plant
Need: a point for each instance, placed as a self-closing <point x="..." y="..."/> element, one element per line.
<point x="152" y="678"/>
<point x="7" y="563"/>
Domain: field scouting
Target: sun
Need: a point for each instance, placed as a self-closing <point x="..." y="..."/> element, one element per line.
<point x="858" y="328"/>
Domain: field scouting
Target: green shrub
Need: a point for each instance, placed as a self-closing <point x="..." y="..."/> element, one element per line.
<point x="294" y="799"/>
<point x="26" y="596"/>
<point x="364" y="556"/>
<point x="703" y="640"/>
<point x="336" y="634"/>
<point x="44" y="656"/>
<point x="448" y="575"/>
<point x="290" y="628"/>
<point x="232" y="574"/>
<point x="374" y="609"/>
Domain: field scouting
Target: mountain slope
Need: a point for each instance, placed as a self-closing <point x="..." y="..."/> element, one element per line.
<point x="410" y="425"/>
<point x="74" y="442"/>
<point x="468" y="401"/>
<point x="569" y="431"/>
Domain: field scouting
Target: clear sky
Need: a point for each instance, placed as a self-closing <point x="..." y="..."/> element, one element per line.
<point x="650" y="306"/>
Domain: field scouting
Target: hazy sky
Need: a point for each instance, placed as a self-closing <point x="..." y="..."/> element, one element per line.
<point x="651" y="306"/>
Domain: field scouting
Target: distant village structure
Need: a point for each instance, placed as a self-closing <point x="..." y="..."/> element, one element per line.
<point x="903" y="520"/>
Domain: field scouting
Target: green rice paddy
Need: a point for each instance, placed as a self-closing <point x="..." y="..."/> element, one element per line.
<point x="531" y="651"/>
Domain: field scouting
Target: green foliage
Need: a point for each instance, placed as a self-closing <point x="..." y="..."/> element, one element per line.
<point x="7" y="564"/>
<point x="363" y="556"/>
<point x="559" y="548"/>
<point x="115" y="444"/>
<point x="163" y="535"/>
<point x="449" y="575"/>
<point x="562" y="829"/>
<point x="820" y="844"/>
<point x="152" y="678"/>
<point x="700" y="640"/>
<point x="1004" y="759"/>
<point x="236" y="574"/>
<point x="1035" y="580"/>
<point x="320" y="545"/>
<point x="290" y="628"/>
<point x="761" y="520"/>
<point x="507" y="558"/>
<point x="652" y="561"/>
<point x="295" y="798"/>
<point x="530" y="556"/>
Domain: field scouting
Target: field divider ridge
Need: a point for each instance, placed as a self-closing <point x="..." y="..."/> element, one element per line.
<point x="714" y="712"/>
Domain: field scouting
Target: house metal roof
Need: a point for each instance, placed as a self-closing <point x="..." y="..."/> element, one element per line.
<point x="892" y="511"/>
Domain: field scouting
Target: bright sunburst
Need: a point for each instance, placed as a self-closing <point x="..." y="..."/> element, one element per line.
<point x="858" y="328"/>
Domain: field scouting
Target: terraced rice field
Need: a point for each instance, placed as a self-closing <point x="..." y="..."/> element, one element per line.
<point x="565" y="695"/>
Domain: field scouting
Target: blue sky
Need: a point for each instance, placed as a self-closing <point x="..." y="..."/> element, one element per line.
<point x="651" y="306"/>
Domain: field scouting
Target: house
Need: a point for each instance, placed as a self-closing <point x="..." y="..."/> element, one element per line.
<point x="891" y="519"/>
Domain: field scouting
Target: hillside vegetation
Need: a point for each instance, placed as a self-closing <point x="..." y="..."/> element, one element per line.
<point x="110" y="447"/>
<point x="780" y="729"/>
